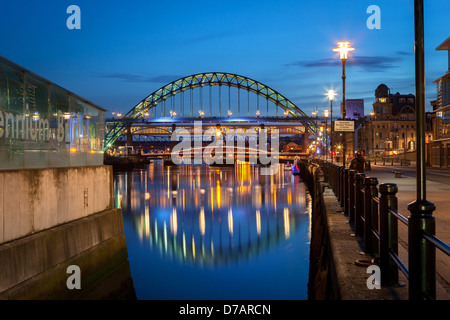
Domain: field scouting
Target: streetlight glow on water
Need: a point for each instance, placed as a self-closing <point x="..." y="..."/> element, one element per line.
<point x="203" y="232"/>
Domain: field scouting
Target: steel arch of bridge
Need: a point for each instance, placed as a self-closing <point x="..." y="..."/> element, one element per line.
<point x="208" y="79"/>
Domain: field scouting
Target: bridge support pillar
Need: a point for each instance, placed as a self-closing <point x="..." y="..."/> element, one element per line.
<point x="129" y="135"/>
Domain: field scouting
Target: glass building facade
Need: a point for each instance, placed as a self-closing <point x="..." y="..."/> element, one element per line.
<point x="45" y="126"/>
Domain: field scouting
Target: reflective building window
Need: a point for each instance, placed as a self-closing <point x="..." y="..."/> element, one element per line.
<point x="43" y="125"/>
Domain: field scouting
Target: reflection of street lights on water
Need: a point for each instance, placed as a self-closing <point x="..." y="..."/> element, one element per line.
<point x="343" y="49"/>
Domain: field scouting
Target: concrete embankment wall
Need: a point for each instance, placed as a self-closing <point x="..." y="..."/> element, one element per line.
<point x="54" y="218"/>
<point x="323" y="284"/>
<point x="37" y="199"/>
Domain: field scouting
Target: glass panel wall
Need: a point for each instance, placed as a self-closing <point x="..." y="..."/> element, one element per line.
<point x="43" y="125"/>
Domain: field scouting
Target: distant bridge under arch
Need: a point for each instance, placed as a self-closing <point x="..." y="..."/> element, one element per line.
<point x="154" y="105"/>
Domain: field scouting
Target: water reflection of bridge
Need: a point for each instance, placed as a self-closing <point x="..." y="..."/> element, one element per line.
<point x="212" y="216"/>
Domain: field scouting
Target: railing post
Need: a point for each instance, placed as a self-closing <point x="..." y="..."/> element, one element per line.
<point x="359" y="202"/>
<point x="333" y="166"/>
<point x="335" y="176"/>
<point x="388" y="233"/>
<point x="331" y="175"/>
<point x="340" y="181"/>
<point x="421" y="253"/>
<point x="351" y="195"/>
<point x="345" y="193"/>
<point x="370" y="190"/>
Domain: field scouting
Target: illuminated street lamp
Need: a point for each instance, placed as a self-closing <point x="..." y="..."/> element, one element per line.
<point x="343" y="49"/>
<point x="331" y="94"/>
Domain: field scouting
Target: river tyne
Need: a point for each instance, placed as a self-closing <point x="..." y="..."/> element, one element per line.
<point x="215" y="233"/>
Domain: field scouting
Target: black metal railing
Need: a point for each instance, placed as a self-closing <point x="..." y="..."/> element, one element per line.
<point x="373" y="212"/>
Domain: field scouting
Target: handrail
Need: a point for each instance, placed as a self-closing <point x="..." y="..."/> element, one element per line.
<point x="385" y="207"/>
<point x="399" y="216"/>
<point x="376" y="233"/>
<point x="445" y="248"/>
<point x="399" y="263"/>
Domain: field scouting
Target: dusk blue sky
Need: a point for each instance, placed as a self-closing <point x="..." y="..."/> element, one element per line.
<point x="127" y="49"/>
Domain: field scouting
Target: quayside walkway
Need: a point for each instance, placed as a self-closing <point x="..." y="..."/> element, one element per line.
<point x="347" y="241"/>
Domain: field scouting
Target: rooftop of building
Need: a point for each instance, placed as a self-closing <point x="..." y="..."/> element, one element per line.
<point x="444" y="45"/>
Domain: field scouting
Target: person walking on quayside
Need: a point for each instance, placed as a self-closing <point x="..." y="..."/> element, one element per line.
<point x="358" y="163"/>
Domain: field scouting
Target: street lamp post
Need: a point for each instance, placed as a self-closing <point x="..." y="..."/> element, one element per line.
<point x="331" y="93"/>
<point x="421" y="253"/>
<point x="343" y="49"/>
<point x="325" y="113"/>
<point x="314" y="113"/>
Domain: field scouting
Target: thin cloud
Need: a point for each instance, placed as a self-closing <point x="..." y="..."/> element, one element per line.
<point x="129" y="77"/>
<point x="374" y="64"/>
<point x="404" y="53"/>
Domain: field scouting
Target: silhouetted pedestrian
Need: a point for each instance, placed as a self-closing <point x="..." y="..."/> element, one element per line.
<point x="358" y="163"/>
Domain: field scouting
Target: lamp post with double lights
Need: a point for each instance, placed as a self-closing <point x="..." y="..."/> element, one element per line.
<point x="331" y="94"/>
<point x="325" y="113"/>
<point x="343" y="49"/>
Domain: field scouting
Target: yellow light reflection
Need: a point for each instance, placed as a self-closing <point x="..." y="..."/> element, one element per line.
<point x="212" y="198"/>
<point x="258" y="222"/>
<point x="174" y="222"/>
<point x="275" y="199"/>
<point x="202" y="221"/>
<point x="218" y="192"/>
<point x="193" y="247"/>
<point x="286" y="223"/>
<point x="289" y="196"/>
<point x="146" y="222"/>
<point x="230" y="221"/>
